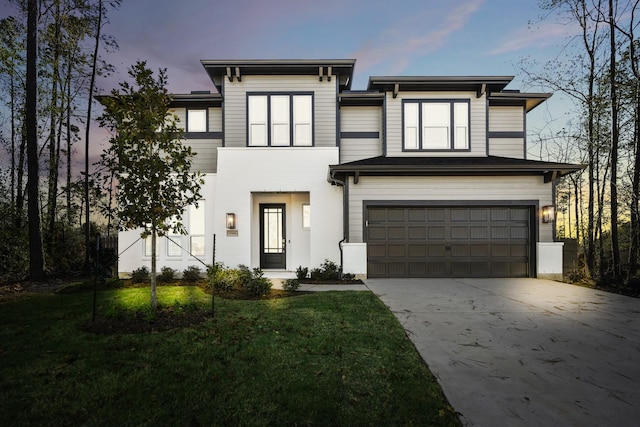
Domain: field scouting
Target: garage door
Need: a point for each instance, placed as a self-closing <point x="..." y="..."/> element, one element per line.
<point x="489" y="241"/>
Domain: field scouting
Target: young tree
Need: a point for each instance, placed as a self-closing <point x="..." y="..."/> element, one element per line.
<point x="153" y="166"/>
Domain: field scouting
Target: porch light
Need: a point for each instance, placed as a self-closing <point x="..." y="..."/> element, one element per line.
<point x="231" y="221"/>
<point x="548" y="214"/>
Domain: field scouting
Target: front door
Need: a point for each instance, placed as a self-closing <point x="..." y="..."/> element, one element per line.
<point x="272" y="236"/>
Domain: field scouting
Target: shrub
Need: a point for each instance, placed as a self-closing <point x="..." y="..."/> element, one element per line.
<point x="576" y="276"/>
<point x="316" y="274"/>
<point x="140" y="275"/>
<point x="328" y="270"/>
<point x="253" y="280"/>
<point x="221" y="278"/>
<point x="167" y="275"/>
<point x="302" y="272"/>
<point x="192" y="274"/>
<point x="227" y="279"/>
<point x="348" y="276"/>
<point x="291" y="285"/>
<point x="259" y="285"/>
<point x="244" y="275"/>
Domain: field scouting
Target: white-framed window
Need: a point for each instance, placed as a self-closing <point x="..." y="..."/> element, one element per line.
<point x="306" y="215"/>
<point x="148" y="247"/>
<point x="173" y="245"/>
<point x="197" y="120"/>
<point x="196" y="229"/>
<point x="280" y="120"/>
<point x="436" y="124"/>
<point x="174" y="240"/>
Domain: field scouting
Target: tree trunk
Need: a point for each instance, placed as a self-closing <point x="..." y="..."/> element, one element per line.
<point x="53" y="140"/>
<point x="615" y="246"/>
<point x="88" y="127"/>
<point x="154" y="302"/>
<point x="12" y="99"/>
<point x="36" y="255"/>
<point x="68" y="129"/>
<point x="635" y="193"/>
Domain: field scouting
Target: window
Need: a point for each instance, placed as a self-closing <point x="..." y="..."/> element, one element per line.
<point x="196" y="229"/>
<point x="173" y="248"/>
<point x="436" y="124"/>
<point x="196" y="120"/>
<point x="148" y="247"/>
<point x="173" y="241"/>
<point x="280" y="120"/>
<point x="306" y="216"/>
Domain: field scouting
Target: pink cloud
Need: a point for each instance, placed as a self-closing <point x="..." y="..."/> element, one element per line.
<point x="406" y="39"/>
<point x="544" y="35"/>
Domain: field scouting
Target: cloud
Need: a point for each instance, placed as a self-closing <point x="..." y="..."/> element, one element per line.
<point x="544" y="35"/>
<point x="406" y="39"/>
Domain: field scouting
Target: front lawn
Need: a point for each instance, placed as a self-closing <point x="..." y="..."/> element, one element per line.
<point x="331" y="358"/>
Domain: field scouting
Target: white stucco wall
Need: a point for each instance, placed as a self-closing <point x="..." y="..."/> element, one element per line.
<point x="249" y="176"/>
<point x="549" y="260"/>
<point x="354" y="257"/>
<point x="134" y="257"/>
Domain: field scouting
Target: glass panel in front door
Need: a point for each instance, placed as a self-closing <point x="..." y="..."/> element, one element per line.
<point x="273" y="235"/>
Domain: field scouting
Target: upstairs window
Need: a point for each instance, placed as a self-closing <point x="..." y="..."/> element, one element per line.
<point x="280" y="120"/>
<point x="197" y="120"/>
<point x="436" y="125"/>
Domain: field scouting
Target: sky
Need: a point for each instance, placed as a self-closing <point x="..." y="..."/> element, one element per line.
<point x="402" y="37"/>
<point x="385" y="37"/>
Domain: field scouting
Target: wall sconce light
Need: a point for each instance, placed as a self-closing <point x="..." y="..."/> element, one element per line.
<point x="548" y="214"/>
<point x="231" y="221"/>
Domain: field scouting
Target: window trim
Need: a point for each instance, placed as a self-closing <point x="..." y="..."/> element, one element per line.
<point x="206" y="119"/>
<point x="452" y="128"/>
<point x="269" y="127"/>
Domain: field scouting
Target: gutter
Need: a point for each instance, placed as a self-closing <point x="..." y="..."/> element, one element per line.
<point x="345" y="214"/>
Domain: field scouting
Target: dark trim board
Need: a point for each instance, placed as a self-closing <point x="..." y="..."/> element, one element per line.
<point x="503" y="134"/>
<point x="532" y="205"/>
<point x="360" y="135"/>
<point x="203" y="135"/>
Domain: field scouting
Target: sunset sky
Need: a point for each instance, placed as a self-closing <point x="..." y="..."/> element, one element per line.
<point x="402" y="37"/>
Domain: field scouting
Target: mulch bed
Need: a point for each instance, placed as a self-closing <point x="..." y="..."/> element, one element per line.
<point x="143" y="322"/>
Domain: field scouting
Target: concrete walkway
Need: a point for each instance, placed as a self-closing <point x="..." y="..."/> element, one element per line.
<point x="524" y="352"/>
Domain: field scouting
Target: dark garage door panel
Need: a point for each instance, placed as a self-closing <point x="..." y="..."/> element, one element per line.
<point x="448" y="241"/>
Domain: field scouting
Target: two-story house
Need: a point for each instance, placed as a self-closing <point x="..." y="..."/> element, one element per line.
<point x="412" y="177"/>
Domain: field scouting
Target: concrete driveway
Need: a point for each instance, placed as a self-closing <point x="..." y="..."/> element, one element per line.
<point x="520" y="352"/>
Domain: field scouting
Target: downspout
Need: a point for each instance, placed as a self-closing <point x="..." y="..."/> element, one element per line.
<point x="345" y="215"/>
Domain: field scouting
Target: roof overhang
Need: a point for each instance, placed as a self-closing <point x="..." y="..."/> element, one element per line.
<point x="218" y="70"/>
<point x="196" y="100"/>
<point x="450" y="166"/>
<point x="528" y="100"/>
<point x="361" y="98"/>
<point x="478" y="84"/>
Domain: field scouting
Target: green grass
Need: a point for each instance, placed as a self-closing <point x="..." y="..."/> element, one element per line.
<point x="334" y="358"/>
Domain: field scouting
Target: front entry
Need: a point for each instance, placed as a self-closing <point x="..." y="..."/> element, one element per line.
<point x="272" y="236"/>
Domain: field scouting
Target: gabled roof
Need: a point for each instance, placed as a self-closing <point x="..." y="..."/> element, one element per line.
<point x="479" y="84"/>
<point x="234" y="68"/>
<point x="451" y="166"/>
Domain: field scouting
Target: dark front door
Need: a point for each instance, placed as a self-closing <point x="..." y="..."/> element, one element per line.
<point x="272" y="236"/>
